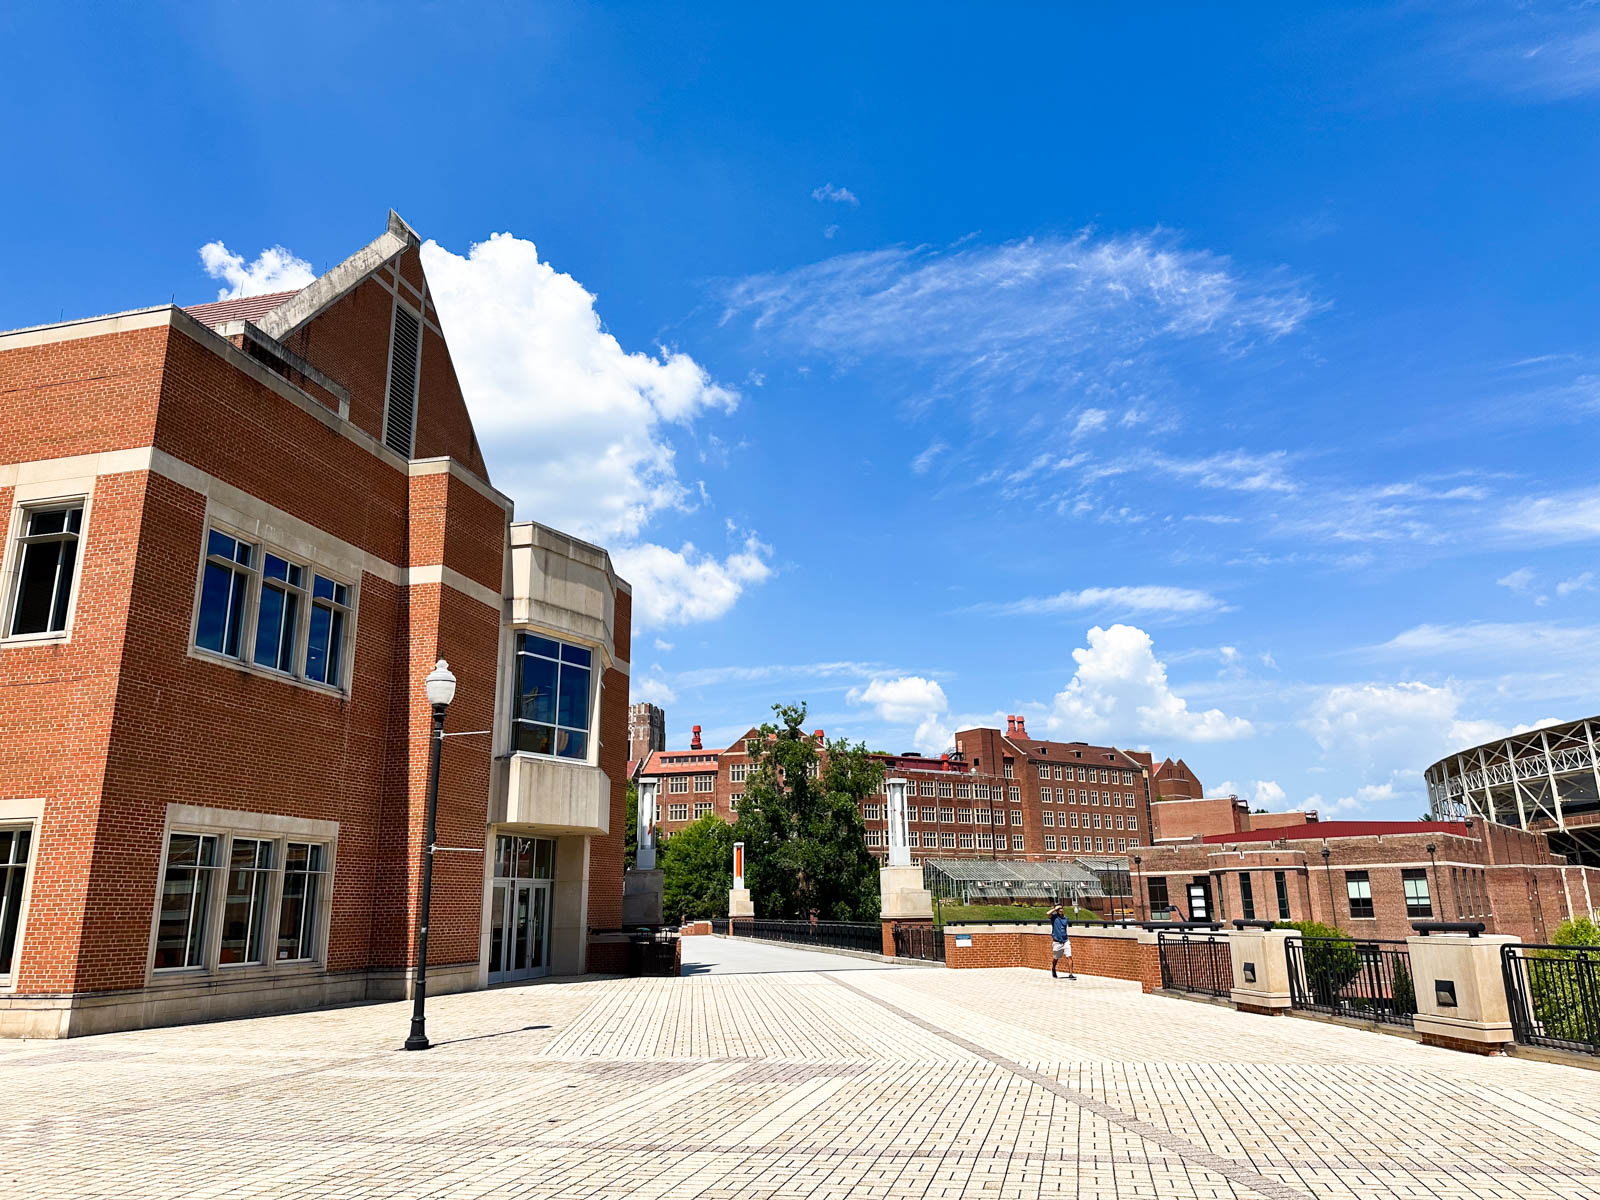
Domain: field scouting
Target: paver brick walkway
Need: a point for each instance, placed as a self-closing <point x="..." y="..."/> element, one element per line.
<point x="759" y="1076"/>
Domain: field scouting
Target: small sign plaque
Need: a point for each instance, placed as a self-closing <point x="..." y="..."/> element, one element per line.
<point x="963" y="939"/>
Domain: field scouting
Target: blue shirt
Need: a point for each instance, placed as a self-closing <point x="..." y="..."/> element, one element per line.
<point x="1059" y="930"/>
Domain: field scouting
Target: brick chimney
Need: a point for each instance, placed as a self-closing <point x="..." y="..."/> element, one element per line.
<point x="816" y="736"/>
<point x="694" y="742"/>
<point x="1022" y="727"/>
<point x="1011" y="726"/>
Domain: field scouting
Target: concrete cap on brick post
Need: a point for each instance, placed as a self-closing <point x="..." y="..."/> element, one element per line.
<point x="901" y="895"/>
<point x="1461" y="993"/>
<point x="1260" y="970"/>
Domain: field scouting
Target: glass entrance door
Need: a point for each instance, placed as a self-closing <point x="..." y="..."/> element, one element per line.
<point x="519" y="911"/>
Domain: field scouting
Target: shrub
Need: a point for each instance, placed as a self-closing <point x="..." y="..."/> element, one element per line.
<point x="1329" y="957"/>
<point x="1561" y="982"/>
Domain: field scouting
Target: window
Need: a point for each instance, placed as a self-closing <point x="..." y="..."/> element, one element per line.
<point x="877" y="837"/>
<point x="930" y="815"/>
<point x="947" y="816"/>
<point x="1016" y="817"/>
<point x="702" y="808"/>
<point x="1247" y="896"/>
<point x="986" y="841"/>
<point x="872" y="812"/>
<point x="1058" y="772"/>
<point x="185" y="901"/>
<point x="1082" y="776"/>
<point x="947" y="841"/>
<point x="1281" y="882"/>
<point x="47" y="565"/>
<point x="964" y="816"/>
<point x="1097" y="820"/>
<point x="1014" y="795"/>
<point x="244" y="912"/>
<point x="1074" y="819"/>
<point x="14" y="845"/>
<point x="981" y="791"/>
<point x="1119" y="820"/>
<point x="705" y="783"/>
<point x="553" y="697"/>
<point x="1049" y="818"/>
<point x="677" y="812"/>
<point x="733" y="801"/>
<point x="1049" y="841"/>
<point x="1133" y="821"/>
<point x="946" y="791"/>
<point x="927" y="788"/>
<point x="966" y="841"/>
<point x="330" y="608"/>
<point x="1006" y="769"/>
<point x="1157" y="885"/>
<point x="1044" y="771"/>
<point x="405" y="354"/>
<point x="1418" y="902"/>
<point x="678" y="783"/>
<point x="300" y="911"/>
<point x="911" y="838"/>
<point x="1075" y="841"/>
<point x="963" y="791"/>
<point x="223" y="593"/>
<point x="1359" y="888"/>
<point x="737" y="772"/>
<point x="278" y="618"/>
<point x="1199" y="902"/>
<point x="1016" y="841"/>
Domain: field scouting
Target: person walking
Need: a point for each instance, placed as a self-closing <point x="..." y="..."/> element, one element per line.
<point x="1060" y="942"/>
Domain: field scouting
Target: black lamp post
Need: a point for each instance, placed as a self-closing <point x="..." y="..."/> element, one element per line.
<point x="1138" y="879"/>
<point x="441" y="689"/>
<point x="1434" y="886"/>
<point x="1333" y="916"/>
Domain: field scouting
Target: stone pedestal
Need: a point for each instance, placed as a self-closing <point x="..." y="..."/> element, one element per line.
<point x="739" y="903"/>
<point x="1260" y="970"/>
<point x="641" y="898"/>
<point x="902" y="896"/>
<point x="1461" y="994"/>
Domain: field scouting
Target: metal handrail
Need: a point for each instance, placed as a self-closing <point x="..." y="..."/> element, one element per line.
<point x="1470" y="928"/>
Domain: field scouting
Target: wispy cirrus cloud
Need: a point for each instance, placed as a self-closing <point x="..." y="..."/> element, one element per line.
<point x="1043" y="309"/>
<point x="1141" y="600"/>
<point x="1537" y="50"/>
<point x="829" y="194"/>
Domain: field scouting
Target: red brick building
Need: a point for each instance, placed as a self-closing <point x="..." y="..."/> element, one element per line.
<point x="999" y="795"/>
<point x="239" y="536"/>
<point x="1369" y="878"/>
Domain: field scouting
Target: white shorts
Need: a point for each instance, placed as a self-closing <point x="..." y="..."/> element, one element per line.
<point x="1060" y="950"/>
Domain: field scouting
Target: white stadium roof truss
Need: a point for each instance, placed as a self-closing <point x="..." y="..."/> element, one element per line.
<point x="1547" y="779"/>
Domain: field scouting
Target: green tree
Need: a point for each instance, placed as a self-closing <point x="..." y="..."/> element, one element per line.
<point x="1563" y="1007"/>
<point x="630" y="829"/>
<point x="1329" y="957"/>
<point x="805" y="847"/>
<point x="697" y="870"/>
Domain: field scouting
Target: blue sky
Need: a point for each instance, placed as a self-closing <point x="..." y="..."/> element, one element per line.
<point x="1218" y="381"/>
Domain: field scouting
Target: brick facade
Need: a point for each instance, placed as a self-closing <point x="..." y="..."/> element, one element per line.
<point x="164" y="427"/>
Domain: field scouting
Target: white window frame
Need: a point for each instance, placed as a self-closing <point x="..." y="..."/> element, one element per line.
<point x="677" y="785"/>
<point x="23" y="504"/>
<point x="311" y="567"/>
<point x="17" y="814"/>
<point x="226" y="825"/>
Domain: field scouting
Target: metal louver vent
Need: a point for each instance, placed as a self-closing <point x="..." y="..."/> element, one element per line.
<point x="404" y="350"/>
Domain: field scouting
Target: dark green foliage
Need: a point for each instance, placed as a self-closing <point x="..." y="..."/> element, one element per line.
<point x="1329" y="965"/>
<point x="1566" y="991"/>
<point x="1402" y="991"/>
<point x="805" y="847"/>
<point x="630" y="830"/>
<point x="697" y="870"/>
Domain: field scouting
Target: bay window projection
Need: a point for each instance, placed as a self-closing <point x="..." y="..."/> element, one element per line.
<point x="47" y="566"/>
<point x="554" y="696"/>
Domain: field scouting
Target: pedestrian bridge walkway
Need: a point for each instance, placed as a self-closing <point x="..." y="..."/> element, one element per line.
<point x="772" y="1072"/>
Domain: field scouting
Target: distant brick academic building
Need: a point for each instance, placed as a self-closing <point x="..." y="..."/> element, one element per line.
<point x="238" y="537"/>
<point x="999" y="795"/>
<point x="1369" y="878"/>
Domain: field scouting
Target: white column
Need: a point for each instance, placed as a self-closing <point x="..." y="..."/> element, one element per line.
<point x="739" y="902"/>
<point x="899" y="844"/>
<point x="645" y="859"/>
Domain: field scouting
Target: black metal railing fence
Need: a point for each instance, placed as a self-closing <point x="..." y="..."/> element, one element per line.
<point x="1345" y="977"/>
<point x="1553" y="993"/>
<point x="1196" y="963"/>
<point x="866" y="936"/>
<point x="919" y="941"/>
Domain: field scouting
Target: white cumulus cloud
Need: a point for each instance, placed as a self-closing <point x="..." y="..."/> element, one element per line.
<point x="827" y="193"/>
<point x="274" y="270"/>
<point x="1120" y="690"/>
<point x="910" y="700"/>
<point x="677" y="587"/>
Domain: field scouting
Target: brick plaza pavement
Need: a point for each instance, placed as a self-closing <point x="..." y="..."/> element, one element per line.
<point x="759" y="1076"/>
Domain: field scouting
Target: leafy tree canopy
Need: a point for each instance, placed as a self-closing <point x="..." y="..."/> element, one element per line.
<point x="805" y="847"/>
<point x="697" y="870"/>
<point x="630" y="829"/>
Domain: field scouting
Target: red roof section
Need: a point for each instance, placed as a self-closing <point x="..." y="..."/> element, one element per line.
<point x="678" y="762"/>
<point x="1071" y="752"/>
<point x="1338" y="829"/>
<point x="241" y="308"/>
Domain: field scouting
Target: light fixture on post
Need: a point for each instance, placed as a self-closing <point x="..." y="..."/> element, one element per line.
<point x="440" y="688"/>
<point x="1332" y="917"/>
<point x="1433" y="886"/>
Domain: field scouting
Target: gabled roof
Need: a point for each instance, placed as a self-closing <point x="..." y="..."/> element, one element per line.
<point x="331" y="286"/>
<point x="240" y="308"/>
<point x="678" y="762"/>
<point x="1070" y="752"/>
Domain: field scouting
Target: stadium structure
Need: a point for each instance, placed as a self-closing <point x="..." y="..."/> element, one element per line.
<point x="1546" y="780"/>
